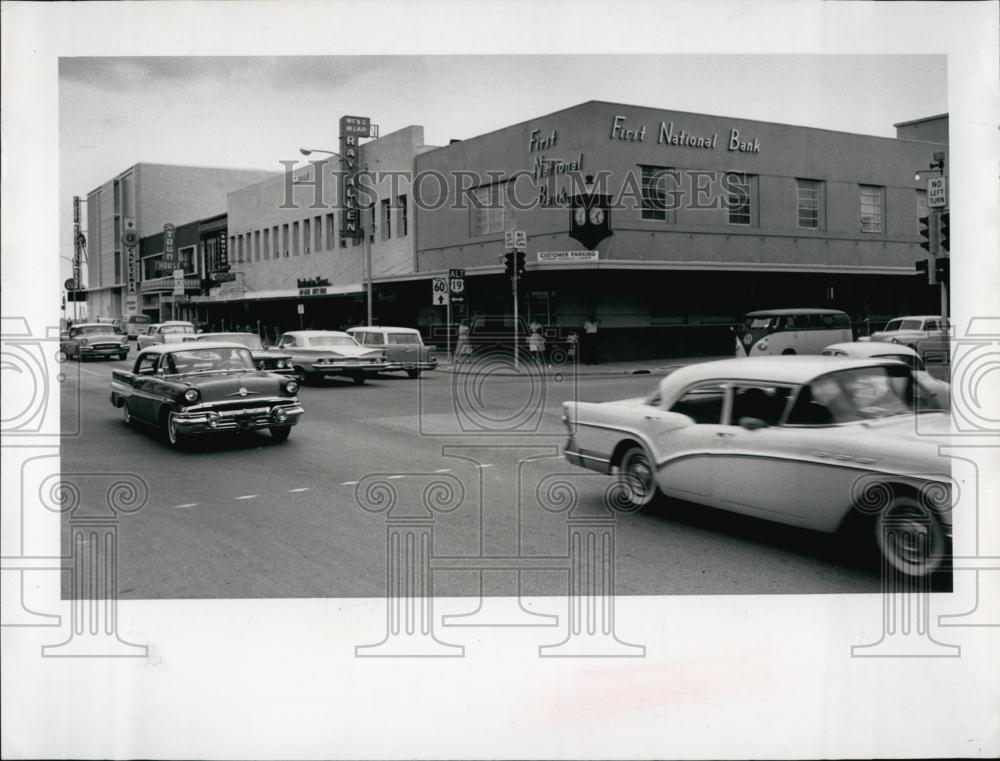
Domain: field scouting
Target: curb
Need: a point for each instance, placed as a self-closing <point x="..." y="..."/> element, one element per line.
<point x="451" y="370"/>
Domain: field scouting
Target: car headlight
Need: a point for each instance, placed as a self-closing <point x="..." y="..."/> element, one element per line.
<point x="260" y="365"/>
<point x="191" y="395"/>
<point x="291" y="387"/>
<point x="281" y="364"/>
<point x="83" y="342"/>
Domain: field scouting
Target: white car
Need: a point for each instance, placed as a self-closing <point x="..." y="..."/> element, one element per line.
<point x="317" y="354"/>
<point x="911" y="331"/>
<point x="170" y="332"/>
<point x="404" y="348"/>
<point x="823" y="443"/>
<point x="934" y="394"/>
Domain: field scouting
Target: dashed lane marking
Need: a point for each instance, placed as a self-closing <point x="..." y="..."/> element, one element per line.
<point x="443" y="470"/>
<point x="350" y="483"/>
<point x="486" y="465"/>
<point x="295" y="491"/>
<point x="248" y="496"/>
<point x="393" y="478"/>
<point x="189" y="504"/>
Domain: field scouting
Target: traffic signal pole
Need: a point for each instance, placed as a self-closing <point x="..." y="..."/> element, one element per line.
<point x="513" y="284"/>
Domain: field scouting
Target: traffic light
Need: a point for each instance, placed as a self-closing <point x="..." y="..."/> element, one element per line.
<point x="925" y="233"/>
<point x="944" y="232"/>
<point x="508" y="264"/>
<point x="942" y="269"/>
<point x="519" y="264"/>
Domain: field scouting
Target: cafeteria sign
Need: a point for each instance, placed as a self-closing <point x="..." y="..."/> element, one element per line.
<point x="567" y="256"/>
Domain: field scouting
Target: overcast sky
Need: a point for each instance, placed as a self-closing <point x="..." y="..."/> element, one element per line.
<point x="251" y="112"/>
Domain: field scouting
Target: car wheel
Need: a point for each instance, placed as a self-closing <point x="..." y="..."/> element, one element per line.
<point x="123" y="356"/>
<point x="788" y="351"/>
<point x="910" y="538"/>
<point x="358" y="379"/>
<point x="413" y="373"/>
<point x="280" y="433"/>
<point x="636" y="479"/>
<point x="174" y="437"/>
<point x="127" y="414"/>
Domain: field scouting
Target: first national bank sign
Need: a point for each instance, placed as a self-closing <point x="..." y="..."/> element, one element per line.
<point x="668" y="134"/>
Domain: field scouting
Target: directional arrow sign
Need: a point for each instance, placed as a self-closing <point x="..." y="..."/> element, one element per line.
<point x="439" y="291"/>
<point x="440" y="299"/>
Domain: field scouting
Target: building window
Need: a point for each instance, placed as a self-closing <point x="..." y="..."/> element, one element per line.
<point x="284" y="239"/>
<point x="488" y="213"/>
<point x="370" y="232"/>
<point x="404" y="220"/>
<point x="318" y="234"/>
<point x="386" y="220"/>
<point x="871" y="208"/>
<point x="295" y="238"/>
<point x="331" y="230"/>
<point x="740" y="201"/>
<point x="186" y="259"/>
<point x="809" y="204"/>
<point x="306" y="235"/>
<point x="256" y="245"/>
<point x="266" y="243"/>
<point x="654" y="201"/>
<point x="118" y="266"/>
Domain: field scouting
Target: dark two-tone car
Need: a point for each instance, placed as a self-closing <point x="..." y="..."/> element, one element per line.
<point x="264" y="359"/>
<point x="204" y="388"/>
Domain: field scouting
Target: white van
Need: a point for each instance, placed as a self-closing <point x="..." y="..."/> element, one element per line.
<point x="791" y="331"/>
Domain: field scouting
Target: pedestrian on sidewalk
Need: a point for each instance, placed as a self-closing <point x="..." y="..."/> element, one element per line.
<point x="462" y="346"/>
<point x="590" y="346"/>
<point x="536" y="343"/>
<point x="572" y="342"/>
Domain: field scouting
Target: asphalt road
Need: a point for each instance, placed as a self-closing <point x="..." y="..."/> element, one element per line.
<point x="242" y="517"/>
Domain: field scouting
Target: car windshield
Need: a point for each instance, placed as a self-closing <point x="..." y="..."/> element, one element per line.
<point x="208" y="360"/>
<point x="902" y="325"/>
<point x="911" y="360"/>
<point x="847" y="396"/>
<point x="92" y="330"/>
<point x="760" y="323"/>
<point x="247" y="339"/>
<point x="332" y="341"/>
<point x="404" y="338"/>
<point x="177" y="328"/>
<point x="138" y="321"/>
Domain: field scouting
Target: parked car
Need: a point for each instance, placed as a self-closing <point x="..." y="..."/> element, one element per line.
<point x="264" y="359"/>
<point x="933" y="394"/>
<point x="911" y="331"/>
<point x="404" y="348"/>
<point x="790" y="331"/>
<point x="806" y="441"/>
<point x="194" y="389"/>
<point x="172" y="331"/>
<point x="317" y="354"/>
<point x="90" y="340"/>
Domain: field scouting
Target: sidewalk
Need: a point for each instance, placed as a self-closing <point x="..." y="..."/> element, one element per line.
<point x="657" y="367"/>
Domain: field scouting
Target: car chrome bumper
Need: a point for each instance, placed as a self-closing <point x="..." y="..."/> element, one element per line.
<point x="348" y="368"/>
<point x="250" y="419"/>
<point x="395" y="366"/>
<point x="585" y="459"/>
<point x="104" y="350"/>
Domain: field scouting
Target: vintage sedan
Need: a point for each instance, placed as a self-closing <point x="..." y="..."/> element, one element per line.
<point x="933" y="394"/>
<point x="264" y="359"/>
<point x="912" y="331"/>
<point x="194" y="389"/>
<point x="317" y="354"/>
<point x="825" y="443"/>
<point x="404" y="348"/>
<point x="170" y="332"/>
<point x="91" y="340"/>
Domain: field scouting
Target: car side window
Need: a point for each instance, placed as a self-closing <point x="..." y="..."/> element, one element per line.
<point x="703" y="403"/>
<point x="762" y="402"/>
<point x="931" y="325"/>
<point x="147" y="364"/>
<point x="287" y="342"/>
<point x="375" y="339"/>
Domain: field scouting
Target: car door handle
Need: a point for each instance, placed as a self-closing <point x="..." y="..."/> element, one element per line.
<point x="724" y="434"/>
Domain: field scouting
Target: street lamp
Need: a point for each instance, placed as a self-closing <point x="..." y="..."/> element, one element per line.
<point x="364" y="232"/>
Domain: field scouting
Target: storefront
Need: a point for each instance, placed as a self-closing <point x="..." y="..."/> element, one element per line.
<point x="710" y="217"/>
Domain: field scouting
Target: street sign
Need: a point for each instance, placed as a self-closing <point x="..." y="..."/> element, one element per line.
<point x="520" y="239"/>
<point x="178" y="282"/>
<point x="456" y="285"/>
<point x="301" y="309"/>
<point x="456" y="298"/>
<point x="439" y="291"/>
<point x="937" y="193"/>
<point x="453" y="273"/>
<point x="508" y="240"/>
